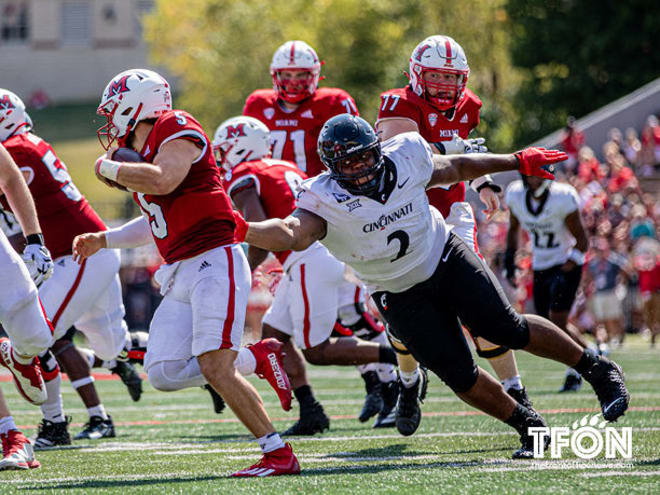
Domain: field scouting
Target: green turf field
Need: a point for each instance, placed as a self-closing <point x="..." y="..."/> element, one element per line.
<point x="173" y="443"/>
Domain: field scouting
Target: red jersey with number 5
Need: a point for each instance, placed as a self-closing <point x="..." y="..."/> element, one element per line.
<point x="197" y="215"/>
<point x="276" y="182"/>
<point x="294" y="134"/>
<point x="434" y="126"/>
<point x="63" y="212"/>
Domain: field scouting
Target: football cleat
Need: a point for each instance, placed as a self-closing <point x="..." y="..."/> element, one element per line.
<point x="17" y="452"/>
<point x="606" y="378"/>
<point x="526" y="450"/>
<point x="373" y="402"/>
<point x="130" y="378"/>
<point x="276" y="463"/>
<point x="97" y="428"/>
<point x="51" y="434"/>
<point x="268" y="353"/>
<point x="312" y="420"/>
<point x="572" y="383"/>
<point x="408" y="412"/>
<point x="387" y="415"/>
<point x="521" y="397"/>
<point x="27" y="377"/>
<point x="218" y="402"/>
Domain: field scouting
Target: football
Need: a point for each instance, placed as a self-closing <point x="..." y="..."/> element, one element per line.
<point x="122" y="155"/>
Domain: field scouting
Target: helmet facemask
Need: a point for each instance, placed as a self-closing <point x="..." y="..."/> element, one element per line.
<point x="295" y="56"/>
<point x="447" y="94"/>
<point x="294" y="90"/>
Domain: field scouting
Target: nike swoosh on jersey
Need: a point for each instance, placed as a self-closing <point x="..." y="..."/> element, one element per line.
<point x="403" y="183"/>
<point x="447" y="255"/>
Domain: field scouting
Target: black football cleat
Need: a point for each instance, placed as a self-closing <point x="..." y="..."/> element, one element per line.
<point x="52" y="434"/>
<point x="218" y="402"/>
<point x="526" y="450"/>
<point x="387" y="415"/>
<point x="373" y="402"/>
<point x="521" y="397"/>
<point x="572" y="383"/>
<point x="97" y="428"/>
<point x="130" y="378"/>
<point x="312" y="420"/>
<point x="408" y="411"/>
<point x="606" y="378"/>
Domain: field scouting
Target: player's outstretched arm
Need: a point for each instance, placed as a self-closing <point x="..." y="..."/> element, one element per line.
<point x="132" y="234"/>
<point x="249" y="204"/>
<point x="455" y="168"/>
<point x="297" y="231"/>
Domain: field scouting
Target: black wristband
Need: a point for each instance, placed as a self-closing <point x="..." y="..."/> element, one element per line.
<point x="35" y="239"/>
<point x="490" y="185"/>
<point x="440" y="147"/>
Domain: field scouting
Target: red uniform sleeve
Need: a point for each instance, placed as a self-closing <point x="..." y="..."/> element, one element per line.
<point x="395" y="104"/>
<point x="178" y="124"/>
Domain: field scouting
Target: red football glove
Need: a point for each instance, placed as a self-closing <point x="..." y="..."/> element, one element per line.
<point x="532" y="161"/>
<point x="241" y="227"/>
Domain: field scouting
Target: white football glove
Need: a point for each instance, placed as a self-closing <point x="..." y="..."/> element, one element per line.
<point x="39" y="263"/>
<point x="458" y="146"/>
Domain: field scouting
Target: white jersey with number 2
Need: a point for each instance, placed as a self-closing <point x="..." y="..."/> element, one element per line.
<point x="394" y="243"/>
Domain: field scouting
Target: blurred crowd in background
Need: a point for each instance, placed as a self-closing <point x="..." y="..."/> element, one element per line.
<point x="620" y="292"/>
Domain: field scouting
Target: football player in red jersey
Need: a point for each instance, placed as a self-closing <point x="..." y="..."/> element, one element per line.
<point x="88" y="295"/>
<point x="309" y="298"/>
<point x="196" y="332"/>
<point x="20" y="310"/>
<point x="438" y="105"/>
<point x="296" y="108"/>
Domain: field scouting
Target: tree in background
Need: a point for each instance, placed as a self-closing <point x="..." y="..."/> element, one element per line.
<point x="579" y="56"/>
<point x="220" y="50"/>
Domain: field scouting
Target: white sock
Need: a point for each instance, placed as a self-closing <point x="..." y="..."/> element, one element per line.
<point x="7" y="424"/>
<point x="53" y="408"/>
<point x="386" y="372"/>
<point x="270" y="442"/>
<point x="97" y="411"/>
<point x="409" y="378"/>
<point x="513" y="382"/>
<point x="109" y="364"/>
<point x="89" y="355"/>
<point x="245" y="362"/>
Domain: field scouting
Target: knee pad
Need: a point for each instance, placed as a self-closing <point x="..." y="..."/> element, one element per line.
<point x="48" y="365"/>
<point x="168" y="376"/>
<point x="493" y="352"/>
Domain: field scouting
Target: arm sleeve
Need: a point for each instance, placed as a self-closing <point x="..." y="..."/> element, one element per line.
<point x="132" y="234"/>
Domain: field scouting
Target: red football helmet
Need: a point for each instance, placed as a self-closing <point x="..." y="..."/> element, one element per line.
<point x="443" y="54"/>
<point x="130" y="97"/>
<point x="294" y="55"/>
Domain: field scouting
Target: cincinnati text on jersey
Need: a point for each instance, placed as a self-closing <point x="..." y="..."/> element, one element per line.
<point x="384" y="220"/>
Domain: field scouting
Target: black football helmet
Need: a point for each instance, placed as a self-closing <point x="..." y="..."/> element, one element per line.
<point x="344" y="140"/>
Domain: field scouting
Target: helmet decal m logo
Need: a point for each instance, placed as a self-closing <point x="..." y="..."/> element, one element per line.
<point x="235" y="131"/>
<point x="420" y="51"/>
<point x="5" y="103"/>
<point x="118" y="87"/>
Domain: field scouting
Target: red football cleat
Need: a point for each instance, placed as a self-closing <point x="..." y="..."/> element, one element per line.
<point x="276" y="463"/>
<point x="268" y="353"/>
<point x="27" y="377"/>
<point x="17" y="452"/>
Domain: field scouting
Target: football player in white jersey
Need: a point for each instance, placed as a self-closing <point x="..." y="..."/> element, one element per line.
<point x="550" y="213"/>
<point x="425" y="278"/>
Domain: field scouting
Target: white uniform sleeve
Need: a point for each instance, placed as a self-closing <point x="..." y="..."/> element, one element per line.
<point x="132" y="234"/>
<point x="570" y="201"/>
<point x="309" y="200"/>
<point x="412" y="148"/>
